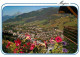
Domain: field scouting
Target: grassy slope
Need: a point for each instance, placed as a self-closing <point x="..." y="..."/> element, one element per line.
<point x="60" y="23"/>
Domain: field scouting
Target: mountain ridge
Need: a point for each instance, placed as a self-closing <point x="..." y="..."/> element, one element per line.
<point x="39" y="14"/>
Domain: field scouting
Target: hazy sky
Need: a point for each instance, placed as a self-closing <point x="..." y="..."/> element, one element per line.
<point x="11" y="10"/>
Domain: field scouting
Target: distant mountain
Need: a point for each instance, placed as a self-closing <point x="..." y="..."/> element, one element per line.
<point x="18" y="13"/>
<point x="6" y="17"/>
<point x="36" y="15"/>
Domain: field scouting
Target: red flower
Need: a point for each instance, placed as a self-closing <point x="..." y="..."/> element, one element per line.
<point x="58" y="39"/>
<point x="18" y="42"/>
<point x="15" y="50"/>
<point x="45" y="43"/>
<point x="24" y="45"/>
<point x="21" y="49"/>
<point x="21" y="52"/>
<point x="28" y="43"/>
<point x="8" y="44"/>
<point x="32" y="45"/>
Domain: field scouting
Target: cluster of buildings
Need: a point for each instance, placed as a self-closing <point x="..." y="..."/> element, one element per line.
<point x="34" y="32"/>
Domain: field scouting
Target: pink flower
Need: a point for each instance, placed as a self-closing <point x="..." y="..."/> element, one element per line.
<point x="31" y="48"/>
<point x="8" y="44"/>
<point x="51" y="41"/>
<point x="45" y="43"/>
<point x="35" y="42"/>
<point x="58" y="39"/>
<point x="18" y="42"/>
<point x="28" y="37"/>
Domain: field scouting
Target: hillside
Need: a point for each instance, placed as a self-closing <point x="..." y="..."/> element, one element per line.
<point x="39" y="14"/>
<point x="44" y="18"/>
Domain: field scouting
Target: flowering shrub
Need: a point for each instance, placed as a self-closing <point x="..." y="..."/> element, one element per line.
<point x="28" y="45"/>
